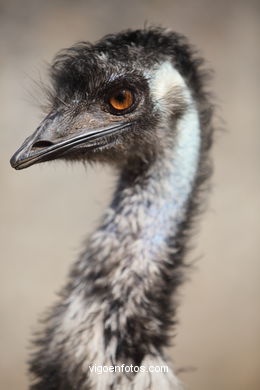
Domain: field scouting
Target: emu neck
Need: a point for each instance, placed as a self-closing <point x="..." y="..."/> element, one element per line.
<point x="130" y="260"/>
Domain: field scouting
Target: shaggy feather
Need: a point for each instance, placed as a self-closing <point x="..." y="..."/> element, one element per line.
<point x="118" y="306"/>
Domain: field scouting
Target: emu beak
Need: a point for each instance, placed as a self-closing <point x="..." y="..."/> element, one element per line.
<point x="48" y="142"/>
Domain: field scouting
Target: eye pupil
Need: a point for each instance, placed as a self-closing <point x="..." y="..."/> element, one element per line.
<point x="121" y="100"/>
<point x="121" y="97"/>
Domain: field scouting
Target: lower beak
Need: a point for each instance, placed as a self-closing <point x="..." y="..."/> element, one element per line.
<point x="35" y="150"/>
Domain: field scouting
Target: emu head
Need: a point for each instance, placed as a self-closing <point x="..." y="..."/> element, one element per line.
<point x="114" y="101"/>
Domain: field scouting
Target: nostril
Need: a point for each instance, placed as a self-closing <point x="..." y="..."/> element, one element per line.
<point x="42" y="144"/>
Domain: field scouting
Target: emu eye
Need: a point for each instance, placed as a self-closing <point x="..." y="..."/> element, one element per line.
<point x="121" y="100"/>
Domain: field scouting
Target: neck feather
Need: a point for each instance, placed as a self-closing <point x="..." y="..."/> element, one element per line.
<point x="126" y="278"/>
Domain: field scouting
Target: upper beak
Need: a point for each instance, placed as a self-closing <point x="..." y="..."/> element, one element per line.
<point x="42" y="146"/>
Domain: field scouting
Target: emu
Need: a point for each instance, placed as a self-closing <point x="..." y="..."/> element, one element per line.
<point x="137" y="100"/>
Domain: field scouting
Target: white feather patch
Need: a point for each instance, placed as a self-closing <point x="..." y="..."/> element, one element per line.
<point x="164" y="78"/>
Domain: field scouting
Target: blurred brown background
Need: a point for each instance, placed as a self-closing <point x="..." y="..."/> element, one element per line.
<point x="47" y="210"/>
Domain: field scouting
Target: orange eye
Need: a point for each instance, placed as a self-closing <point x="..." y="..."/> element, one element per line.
<point x="121" y="100"/>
